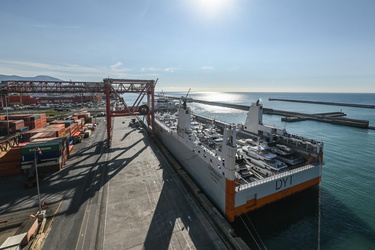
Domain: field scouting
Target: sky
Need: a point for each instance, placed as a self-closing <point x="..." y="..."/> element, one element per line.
<point x="205" y="45"/>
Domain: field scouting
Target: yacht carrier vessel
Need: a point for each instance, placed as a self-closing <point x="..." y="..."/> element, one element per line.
<point x="240" y="167"/>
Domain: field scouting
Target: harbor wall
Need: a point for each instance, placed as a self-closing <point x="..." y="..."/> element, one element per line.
<point x="325" y="103"/>
<point x="297" y="116"/>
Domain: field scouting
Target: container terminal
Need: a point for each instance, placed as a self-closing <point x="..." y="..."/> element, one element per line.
<point x="125" y="197"/>
<point x="99" y="192"/>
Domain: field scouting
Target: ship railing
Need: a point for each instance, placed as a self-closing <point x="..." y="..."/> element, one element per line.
<point x="312" y="162"/>
<point x="302" y="142"/>
<point x="205" y="148"/>
<point x="166" y="127"/>
<point x="273" y="177"/>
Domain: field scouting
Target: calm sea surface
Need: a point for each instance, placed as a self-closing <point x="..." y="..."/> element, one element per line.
<point x="340" y="213"/>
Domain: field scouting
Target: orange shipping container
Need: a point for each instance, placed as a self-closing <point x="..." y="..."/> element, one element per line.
<point x="18" y="124"/>
<point x="32" y="132"/>
<point x="10" y="165"/>
<point x="4" y="123"/>
<point x="13" y="155"/>
<point x="10" y="158"/>
<point x="43" y="135"/>
<point x="10" y="172"/>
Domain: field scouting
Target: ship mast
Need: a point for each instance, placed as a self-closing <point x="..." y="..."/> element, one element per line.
<point x="229" y="152"/>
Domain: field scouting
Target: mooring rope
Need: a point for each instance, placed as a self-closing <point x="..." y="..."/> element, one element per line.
<point x="256" y="231"/>
<point x="256" y="242"/>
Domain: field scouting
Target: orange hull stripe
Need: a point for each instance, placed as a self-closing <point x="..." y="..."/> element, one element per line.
<point x="229" y="199"/>
<point x="257" y="203"/>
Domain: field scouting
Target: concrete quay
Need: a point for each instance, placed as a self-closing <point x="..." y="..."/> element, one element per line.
<point x="146" y="206"/>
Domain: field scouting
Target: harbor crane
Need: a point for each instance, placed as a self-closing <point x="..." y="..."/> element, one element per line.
<point x="112" y="88"/>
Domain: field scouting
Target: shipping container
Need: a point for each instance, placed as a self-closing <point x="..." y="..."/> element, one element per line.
<point x="45" y="166"/>
<point x="23" y="130"/>
<point x="10" y="162"/>
<point x="51" y="148"/>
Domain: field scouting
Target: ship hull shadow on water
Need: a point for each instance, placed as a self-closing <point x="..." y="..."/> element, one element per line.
<point x="306" y="220"/>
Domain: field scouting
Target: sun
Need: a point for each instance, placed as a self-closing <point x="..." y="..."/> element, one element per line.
<point x="213" y="8"/>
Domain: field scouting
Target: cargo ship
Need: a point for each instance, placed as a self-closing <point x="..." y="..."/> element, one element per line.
<point x="165" y="103"/>
<point x="240" y="167"/>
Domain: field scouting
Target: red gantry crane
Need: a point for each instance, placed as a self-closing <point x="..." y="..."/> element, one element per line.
<point x="112" y="88"/>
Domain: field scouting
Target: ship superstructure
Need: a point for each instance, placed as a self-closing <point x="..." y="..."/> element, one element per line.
<point x="165" y="103"/>
<point x="240" y="167"/>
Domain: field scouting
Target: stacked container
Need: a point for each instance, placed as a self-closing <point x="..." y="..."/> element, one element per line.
<point x="31" y="120"/>
<point x="10" y="162"/>
<point x="53" y="140"/>
<point x="54" y="130"/>
<point x="43" y="135"/>
<point x="14" y="126"/>
<point x="72" y="128"/>
<point x="54" y="154"/>
<point x="85" y="115"/>
<point x="67" y="123"/>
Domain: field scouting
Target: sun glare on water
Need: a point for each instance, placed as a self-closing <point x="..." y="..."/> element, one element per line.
<point x="219" y="97"/>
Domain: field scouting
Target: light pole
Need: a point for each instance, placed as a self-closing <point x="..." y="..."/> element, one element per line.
<point x="6" y="107"/>
<point x="37" y="178"/>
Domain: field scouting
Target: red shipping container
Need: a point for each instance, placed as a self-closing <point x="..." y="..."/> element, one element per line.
<point x="4" y="123"/>
<point x="18" y="124"/>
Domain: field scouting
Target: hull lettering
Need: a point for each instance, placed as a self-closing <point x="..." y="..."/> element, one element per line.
<point x="284" y="182"/>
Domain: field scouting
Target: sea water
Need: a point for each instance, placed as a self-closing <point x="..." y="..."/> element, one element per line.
<point x="337" y="214"/>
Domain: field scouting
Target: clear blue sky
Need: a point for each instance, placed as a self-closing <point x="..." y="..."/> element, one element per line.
<point x="205" y="45"/>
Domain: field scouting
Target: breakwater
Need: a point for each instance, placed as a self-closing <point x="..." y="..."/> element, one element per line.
<point x="330" y="117"/>
<point x="325" y="103"/>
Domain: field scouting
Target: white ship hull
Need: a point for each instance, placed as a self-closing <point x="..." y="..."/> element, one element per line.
<point x="259" y="193"/>
<point x="247" y="196"/>
<point x="210" y="181"/>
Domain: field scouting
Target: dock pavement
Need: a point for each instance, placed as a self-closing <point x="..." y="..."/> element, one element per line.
<point x="146" y="205"/>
